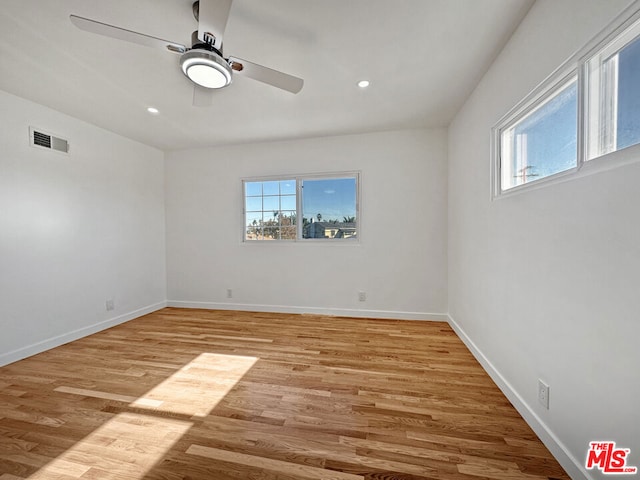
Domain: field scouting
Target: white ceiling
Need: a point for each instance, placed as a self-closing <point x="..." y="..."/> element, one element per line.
<point x="423" y="58"/>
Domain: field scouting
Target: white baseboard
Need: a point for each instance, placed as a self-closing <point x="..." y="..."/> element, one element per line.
<point x="337" y="312"/>
<point x="571" y="465"/>
<point x="29" y="350"/>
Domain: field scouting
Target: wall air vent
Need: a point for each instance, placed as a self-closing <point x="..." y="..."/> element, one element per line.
<point x="41" y="139"/>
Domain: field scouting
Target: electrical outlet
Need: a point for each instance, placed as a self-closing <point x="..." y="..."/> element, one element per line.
<point x="229" y="293"/>
<point x="362" y="296"/>
<point x="543" y="394"/>
<point x="109" y="304"/>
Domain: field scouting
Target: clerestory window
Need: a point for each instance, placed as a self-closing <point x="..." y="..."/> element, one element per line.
<point x="589" y="108"/>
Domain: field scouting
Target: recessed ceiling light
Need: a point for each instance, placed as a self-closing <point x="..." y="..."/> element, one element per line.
<point x="363" y="83"/>
<point x="153" y="110"/>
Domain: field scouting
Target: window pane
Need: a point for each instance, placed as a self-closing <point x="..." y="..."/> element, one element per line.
<point x="287" y="218"/>
<point x="327" y="206"/>
<point x="613" y="120"/>
<point x="253" y="204"/>
<point x="628" y="128"/>
<point x="288" y="187"/>
<point x="253" y="188"/>
<point x="271" y="204"/>
<point x="271" y="219"/>
<point x="288" y="202"/>
<point x="266" y="209"/>
<point x="253" y="226"/>
<point x="253" y="218"/>
<point x="543" y="142"/>
<point x="270" y="234"/>
<point x="271" y="188"/>
<point x="288" y="233"/>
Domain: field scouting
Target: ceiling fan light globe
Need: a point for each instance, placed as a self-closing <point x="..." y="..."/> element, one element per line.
<point x="206" y="68"/>
<point x="207" y="76"/>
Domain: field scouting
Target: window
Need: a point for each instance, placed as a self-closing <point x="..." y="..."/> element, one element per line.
<point x="613" y="100"/>
<point x="270" y="210"/>
<point x="327" y="205"/>
<point x="590" y="107"/>
<point x="543" y="141"/>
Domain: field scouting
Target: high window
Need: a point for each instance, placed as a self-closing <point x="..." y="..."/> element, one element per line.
<point x="613" y="94"/>
<point x="320" y="207"/>
<point x="589" y="108"/>
<point x="543" y="141"/>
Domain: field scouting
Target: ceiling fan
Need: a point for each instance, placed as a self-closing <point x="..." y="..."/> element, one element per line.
<point x="203" y="63"/>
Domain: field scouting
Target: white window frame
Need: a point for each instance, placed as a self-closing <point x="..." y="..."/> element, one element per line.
<point x="534" y="101"/>
<point x="595" y="110"/>
<point x="600" y="72"/>
<point x="299" y="179"/>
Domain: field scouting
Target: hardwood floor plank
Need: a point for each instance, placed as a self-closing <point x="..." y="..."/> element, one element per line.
<point x="8" y="476"/>
<point x="496" y="473"/>
<point x="295" y="469"/>
<point x="108" y="396"/>
<point x="197" y="394"/>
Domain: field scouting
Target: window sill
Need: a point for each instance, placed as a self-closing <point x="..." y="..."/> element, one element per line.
<point x="604" y="163"/>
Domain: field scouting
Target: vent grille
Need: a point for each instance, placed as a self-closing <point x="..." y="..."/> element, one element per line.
<point x="42" y="139"/>
<point x="38" y="138"/>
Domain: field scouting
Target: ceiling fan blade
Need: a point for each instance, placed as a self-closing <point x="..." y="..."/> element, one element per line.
<point x="126" y="35"/>
<point x="266" y="75"/>
<point x="202" y="97"/>
<point x="212" y="21"/>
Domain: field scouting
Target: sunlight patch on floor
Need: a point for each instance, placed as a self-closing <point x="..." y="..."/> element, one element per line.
<point x="197" y="387"/>
<point x="131" y="443"/>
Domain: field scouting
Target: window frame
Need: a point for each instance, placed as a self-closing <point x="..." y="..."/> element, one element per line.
<point x="607" y="42"/>
<point x="534" y="101"/>
<point x="299" y="179"/>
<point x="262" y="198"/>
<point x="596" y="98"/>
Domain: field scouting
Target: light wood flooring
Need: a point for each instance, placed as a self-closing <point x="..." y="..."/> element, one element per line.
<point x="193" y="394"/>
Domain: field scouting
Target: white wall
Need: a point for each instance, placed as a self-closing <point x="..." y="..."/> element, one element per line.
<point x="400" y="262"/>
<point x="545" y="284"/>
<point x="75" y="230"/>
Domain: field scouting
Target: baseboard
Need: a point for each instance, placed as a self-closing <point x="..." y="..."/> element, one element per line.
<point x="556" y="447"/>
<point x="336" y="312"/>
<point x="39" y="347"/>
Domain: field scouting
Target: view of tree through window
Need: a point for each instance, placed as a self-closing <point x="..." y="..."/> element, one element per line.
<point x="270" y="210"/>
<point x="327" y="207"/>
